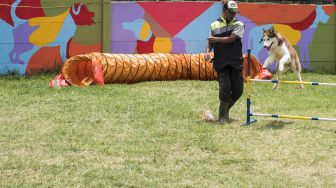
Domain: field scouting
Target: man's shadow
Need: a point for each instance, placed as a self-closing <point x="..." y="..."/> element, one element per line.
<point x="275" y="124"/>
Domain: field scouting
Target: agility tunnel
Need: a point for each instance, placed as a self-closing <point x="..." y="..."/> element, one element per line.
<point x="249" y="112"/>
<point x="105" y="68"/>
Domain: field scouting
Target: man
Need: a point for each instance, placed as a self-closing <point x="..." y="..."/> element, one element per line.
<point x="225" y="40"/>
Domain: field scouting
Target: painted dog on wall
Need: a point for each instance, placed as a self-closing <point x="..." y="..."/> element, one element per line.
<point x="32" y="34"/>
<point x="280" y="50"/>
<point x="302" y="34"/>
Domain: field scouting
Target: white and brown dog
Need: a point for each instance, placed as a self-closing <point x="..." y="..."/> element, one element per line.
<point x="281" y="51"/>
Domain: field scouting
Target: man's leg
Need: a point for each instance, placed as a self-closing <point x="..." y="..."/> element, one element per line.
<point x="237" y="86"/>
<point x="224" y="95"/>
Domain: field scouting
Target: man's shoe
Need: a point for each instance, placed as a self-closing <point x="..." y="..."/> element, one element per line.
<point x="222" y="121"/>
<point x="223" y="116"/>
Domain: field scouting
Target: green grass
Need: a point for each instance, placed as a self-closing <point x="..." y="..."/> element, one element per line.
<point x="151" y="134"/>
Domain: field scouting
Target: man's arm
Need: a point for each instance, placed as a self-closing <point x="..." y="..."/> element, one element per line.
<point x="209" y="47"/>
<point x="208" y="50"/>
<point x="228" y="39"/>
<point x="237" y="32"/>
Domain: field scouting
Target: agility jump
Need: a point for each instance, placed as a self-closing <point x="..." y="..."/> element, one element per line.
<point x="248" y="97"/>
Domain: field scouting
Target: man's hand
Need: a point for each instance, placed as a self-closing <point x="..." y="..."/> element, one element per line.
<point x="207" y="57"/>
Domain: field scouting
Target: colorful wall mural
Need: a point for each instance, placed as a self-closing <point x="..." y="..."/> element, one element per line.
<point x="38" y="36"/>
<point x="183" y="27"/>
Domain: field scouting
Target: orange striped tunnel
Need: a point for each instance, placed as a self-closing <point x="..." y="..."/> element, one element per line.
<point x="104" y="68"/>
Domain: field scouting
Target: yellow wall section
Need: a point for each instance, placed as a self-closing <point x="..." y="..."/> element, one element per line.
<point x="291" y="34"/>
<point x="162" y="45"/>
<point x="145" y="31"/>
<point x="48" y="28"/>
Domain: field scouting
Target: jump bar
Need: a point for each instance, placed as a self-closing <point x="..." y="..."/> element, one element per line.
<point x="292" y="117"/>
<point x="295" y="82"/>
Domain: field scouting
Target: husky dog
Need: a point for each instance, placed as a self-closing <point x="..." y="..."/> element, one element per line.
<point x="280" y="50"/>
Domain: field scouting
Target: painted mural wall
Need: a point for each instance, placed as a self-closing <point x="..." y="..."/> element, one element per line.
<point x="38" y="35"/>
<point x="183" y="27"/>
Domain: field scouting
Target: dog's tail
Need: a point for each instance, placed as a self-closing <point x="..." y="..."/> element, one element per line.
<point x="15" y="18"/>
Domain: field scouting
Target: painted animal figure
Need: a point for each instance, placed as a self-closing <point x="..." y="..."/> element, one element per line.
<point x="35" y="33"/>
<point x="281" y="51"/>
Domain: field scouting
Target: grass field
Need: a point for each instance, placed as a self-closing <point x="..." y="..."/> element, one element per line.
<point x="151" y="134"/>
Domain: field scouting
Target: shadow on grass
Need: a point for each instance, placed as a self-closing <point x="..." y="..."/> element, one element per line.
<point x="318" y="128"/>
<point x="275" y="124"/>
<point x="231" y="121"/>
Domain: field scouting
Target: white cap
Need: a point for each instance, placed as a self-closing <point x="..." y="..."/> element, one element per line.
<point x="232" y="6"/>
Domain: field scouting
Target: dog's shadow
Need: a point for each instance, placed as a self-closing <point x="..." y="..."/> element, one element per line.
<point x="275" y="124"/>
